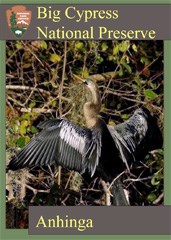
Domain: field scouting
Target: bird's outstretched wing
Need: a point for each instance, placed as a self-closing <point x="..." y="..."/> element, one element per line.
<point x="136" y="136"/>
<point x="133" y="130"/>
<point x="63" y="143"/>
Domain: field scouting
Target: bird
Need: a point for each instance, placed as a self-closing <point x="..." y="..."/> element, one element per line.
<point x="97" y="149"/>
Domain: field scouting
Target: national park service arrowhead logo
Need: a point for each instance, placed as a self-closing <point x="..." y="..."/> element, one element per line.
<point x="18" y="19"/>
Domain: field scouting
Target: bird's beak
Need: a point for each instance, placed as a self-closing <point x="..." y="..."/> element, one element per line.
<point x="79" y="78"/>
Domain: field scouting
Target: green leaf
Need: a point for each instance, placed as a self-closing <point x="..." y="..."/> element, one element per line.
<point x="104" y="46"/>
<point x="120" y="72"/>
<point x="124" y="116"/>
<point x="128" y="68"/>
<point x="27" y="139"/>
<point x="23" y="127"/>
<point x="55" y="58"/>
<point x="54" y="103"/>
<point x="155" y="181"/>
<point x="27" y="116"/>
<point x="151" y="197"/>
<point x="32" y="104"/>
<point x="79" y="45"/>
<point x="150" y="94"/>
<point x="116" y="50"/>
<point x="20" y="142"/>
<point x="99" y="60"/>
<point x="33" y="129"/>
<point x="144" y="60"/>
<point x="85" y="72"/>
<point x="160" y="151"/>
<point x="110" y="58"/>
<point x="43" y="45"/>
<point x="124" y="46"/>
<point x="134" y="47"/>
<point x="138" y="81"/>
<point x="19" y="45"/>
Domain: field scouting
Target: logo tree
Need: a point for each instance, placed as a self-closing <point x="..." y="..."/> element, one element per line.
<point x="13" y="20"/>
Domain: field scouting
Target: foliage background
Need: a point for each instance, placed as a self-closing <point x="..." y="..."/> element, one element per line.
<point x="40" y="85"/>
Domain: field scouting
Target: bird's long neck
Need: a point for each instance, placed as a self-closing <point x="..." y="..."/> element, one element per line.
<point x="92" y="108"/>
<point x="96" y="100"/>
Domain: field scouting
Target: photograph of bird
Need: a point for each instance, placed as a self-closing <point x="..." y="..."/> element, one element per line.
<point x="84" y="125"/>
<point x="97" y="149"/>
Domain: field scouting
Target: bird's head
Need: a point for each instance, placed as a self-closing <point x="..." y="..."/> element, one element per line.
<point x="90" y="84"/>
<point x="93" y="105"/>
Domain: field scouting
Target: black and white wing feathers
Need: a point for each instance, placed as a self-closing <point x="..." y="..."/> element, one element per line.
<point x="129" y="135"/>
<point x="63" y="143"/>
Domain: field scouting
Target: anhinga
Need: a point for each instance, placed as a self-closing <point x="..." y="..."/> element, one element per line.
<point x="99" y="149"/>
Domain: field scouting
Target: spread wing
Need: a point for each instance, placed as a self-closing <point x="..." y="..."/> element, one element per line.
<point x="129" y="135"/>
<point x="63" y="143"/>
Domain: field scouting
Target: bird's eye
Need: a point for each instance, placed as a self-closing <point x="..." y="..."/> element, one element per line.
<point x="85" y="82"/>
